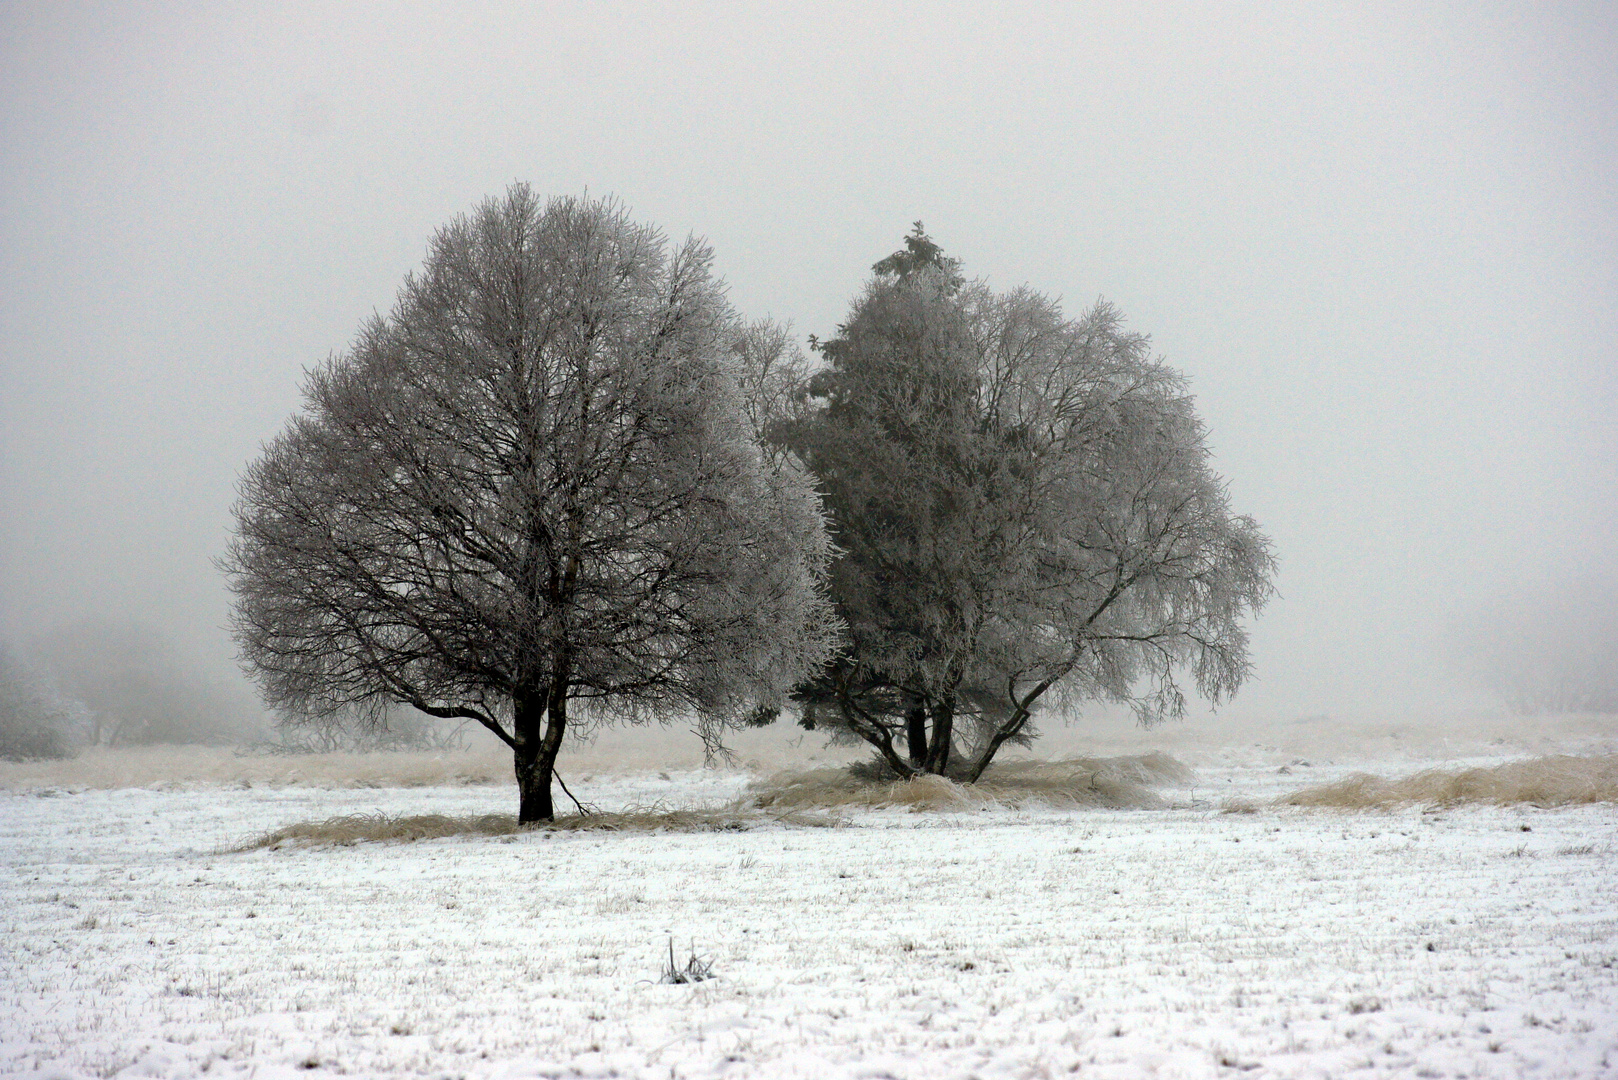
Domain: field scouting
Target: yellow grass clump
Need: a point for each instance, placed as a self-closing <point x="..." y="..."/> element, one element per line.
<point x="1123" y="782"/>
<point x="357" y="828"/>
<point x="404" y="828"/>
<point x="1556" y="780"/>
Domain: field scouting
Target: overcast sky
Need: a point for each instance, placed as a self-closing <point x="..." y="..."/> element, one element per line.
<point x="1381" y="241"/>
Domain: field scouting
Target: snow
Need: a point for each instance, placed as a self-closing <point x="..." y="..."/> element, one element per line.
<point x="1185" y="942"/>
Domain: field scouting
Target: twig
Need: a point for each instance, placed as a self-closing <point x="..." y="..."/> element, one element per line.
<point x="582" y="811"/>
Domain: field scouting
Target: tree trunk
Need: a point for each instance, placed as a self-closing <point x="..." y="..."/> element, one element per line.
<point x="1022" y="710"/>
<point x="877" y="735"/>
<point x="535" y="752"/>
<point x="943" y="732"/>
<point x="1006" y="731"/>
<point x="533" y="787"/>
<point x="916" y="731"/>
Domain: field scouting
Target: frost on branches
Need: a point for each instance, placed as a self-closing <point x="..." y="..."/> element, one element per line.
<point x="531" y="495"/>
<point x="1023" y="505"/>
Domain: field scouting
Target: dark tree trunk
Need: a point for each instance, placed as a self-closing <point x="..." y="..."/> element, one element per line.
<point x="536" y="750"/>
<point x="533" y="788"/>
<point x="943" y="732"/>
<point x="1008" y="729"/>
<point x="916" y="731"/>
<point x="1021" y="711"/>
<point x="877" y="735"/>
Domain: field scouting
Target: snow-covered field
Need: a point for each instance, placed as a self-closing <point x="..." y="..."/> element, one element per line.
<point x="1183" y="942"/>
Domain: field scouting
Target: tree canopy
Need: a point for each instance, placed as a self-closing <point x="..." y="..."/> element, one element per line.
<point x="1023" y="503"/>
<point x="533" y="488"/>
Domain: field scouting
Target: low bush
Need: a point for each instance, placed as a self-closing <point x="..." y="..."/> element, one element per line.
<point x="21" y="740"/>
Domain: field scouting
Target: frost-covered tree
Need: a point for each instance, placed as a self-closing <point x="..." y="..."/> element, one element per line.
<point x="35" y="722"/>
<point x="1024" y="505"/>
<point x="136" y="689"/>
<point x="531" y="496"/>
<point x="771" y="371"/>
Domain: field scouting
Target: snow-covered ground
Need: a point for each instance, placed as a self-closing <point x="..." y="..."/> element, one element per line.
<point x="1183" y="942"/>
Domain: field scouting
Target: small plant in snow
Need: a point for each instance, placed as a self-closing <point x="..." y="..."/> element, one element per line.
<point x="694" y="970"/>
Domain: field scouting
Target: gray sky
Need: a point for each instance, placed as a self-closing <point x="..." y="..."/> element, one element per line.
<point x="1382" y="241"/>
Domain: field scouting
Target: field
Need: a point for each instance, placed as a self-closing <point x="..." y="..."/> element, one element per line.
<point x="1217" y="934"/>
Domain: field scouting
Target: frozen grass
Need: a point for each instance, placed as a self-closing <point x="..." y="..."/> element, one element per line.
<point x="999" y="944"/>
<point x="1207" y="745"/>
<point x="796" y="798"/>
<point x="348" y="829"/>
<point x="1389" y="740"/>
<point x="359" y="828"/>
<point x="1554" y="780"/>
<point x="614" y="750"/>
<point x="800" y="798"/>
<point x="103" y="768"/>
<point x="1118" y="783"/>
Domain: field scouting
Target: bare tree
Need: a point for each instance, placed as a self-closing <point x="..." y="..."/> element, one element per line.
<point x="530" y="497"/>
<point x="364" y="730"/>
<point x="1024" y="506"/>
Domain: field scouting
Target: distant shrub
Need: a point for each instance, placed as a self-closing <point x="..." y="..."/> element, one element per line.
<point x="1542" y="653"/>
<point x="104" y="768"/>
<point x="361" y="731"/>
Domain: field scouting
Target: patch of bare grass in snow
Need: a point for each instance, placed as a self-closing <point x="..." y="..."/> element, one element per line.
<point x="404" y="828"/>
<point x="1120" y="783"/>
<point x="1556" y="780"/>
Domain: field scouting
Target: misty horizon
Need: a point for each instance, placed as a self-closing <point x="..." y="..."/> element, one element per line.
<point x="1380" y="245"/>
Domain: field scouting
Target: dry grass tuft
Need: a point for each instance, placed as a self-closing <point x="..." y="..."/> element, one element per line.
<point x="1558" y="780"/>
<point x="734" y="818"/>
<point x="1111" y="782"/>
<point x="362" y="828"/>
<point x="358" y="828"/>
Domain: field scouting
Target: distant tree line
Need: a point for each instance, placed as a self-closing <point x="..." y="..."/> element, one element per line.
<point x="1548" y="651"/>
<point x="113" y="684"/>
<point x="119" y="684"/>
